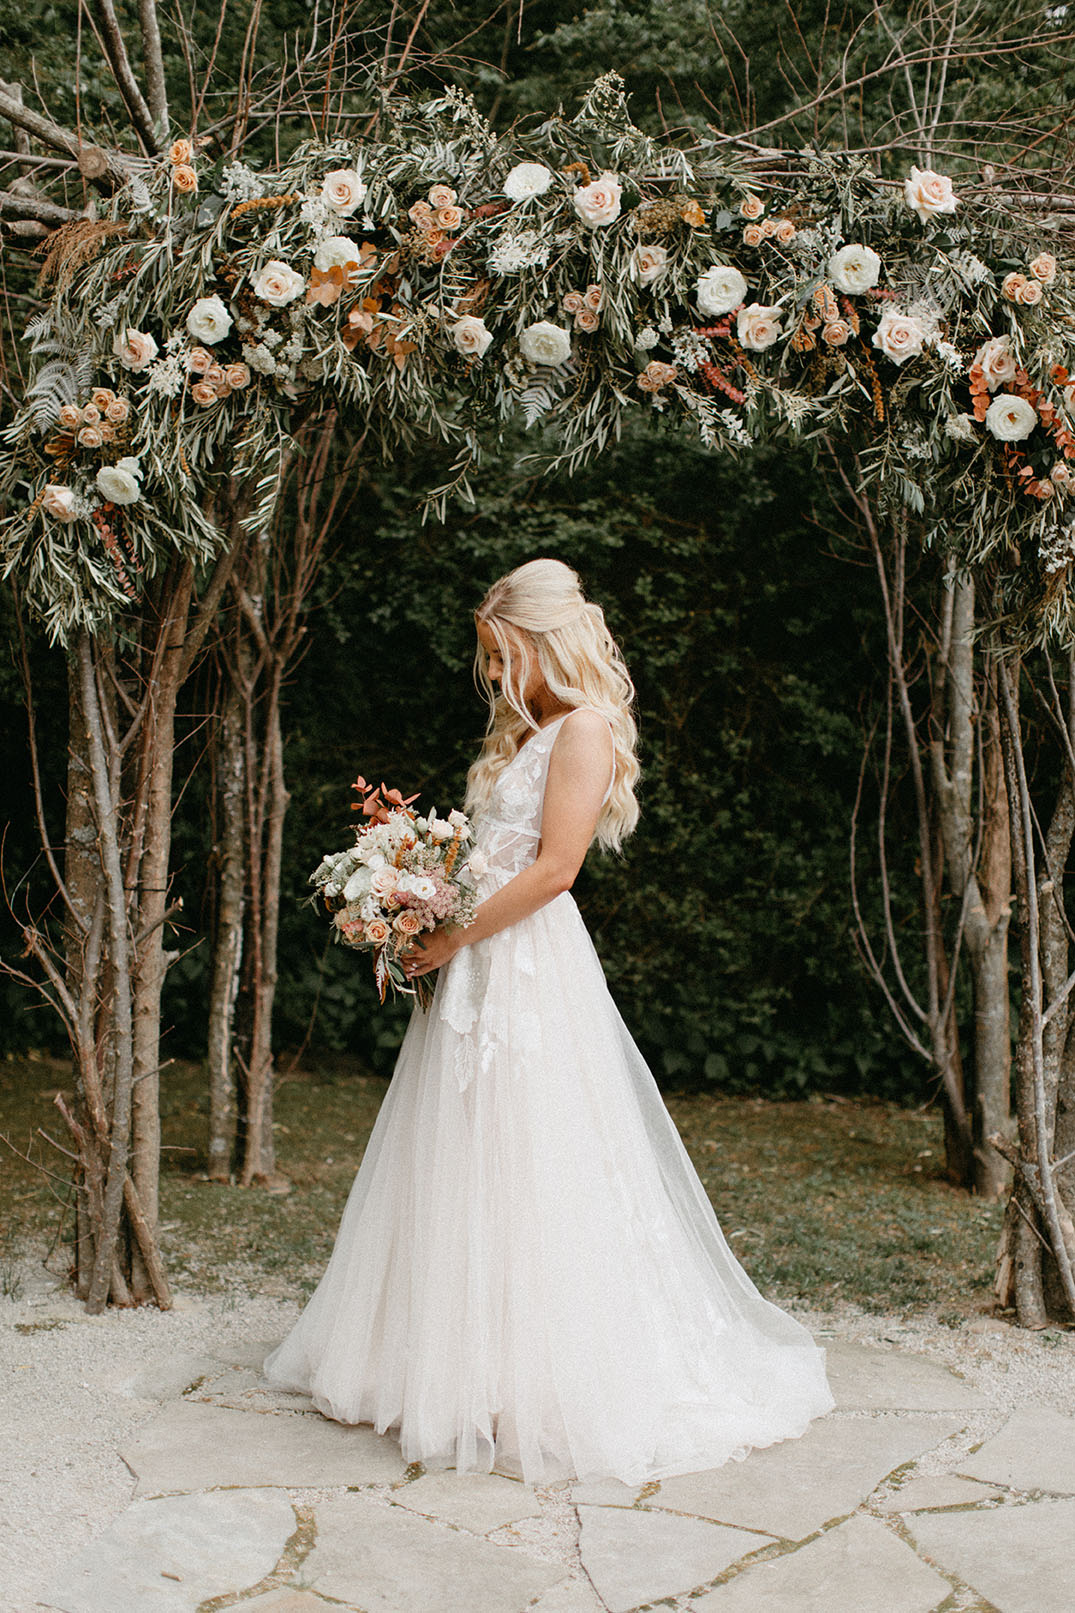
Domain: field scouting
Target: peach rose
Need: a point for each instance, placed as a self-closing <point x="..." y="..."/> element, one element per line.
<point x="759" y="327"/>
<point x="785" y="231"/>
<point x="752" y="235"/>
<point x="237" y="376"/>
<point x="768" y="227"/>
<point x="1030" y="293"/>
<point x="70" y="416"/>
<point x="90" y="437"/>
<point x="181" y="152"/>
<point x="656" y="375"/>
<point x="594" y="297"/>
<point x="448" y="218"/>
<point x="407" y="923"/>
<point x="586" y="319"/>
<point x="836" y="332"/>
<point x="1043" y="268"/>
<point x="573" y="302"/>
<point x="1062" y="476"/>
<point x="90" y="414"/>
<point x="598" y="203"/>
<point x="59" y="502"/>
<point x="647" y="264"/>
<point x="117" y="411"/>
<point x="108" y="432"/>
<point x="101" y="397"/>
<point x="441" y="196"/>
<point x="752" y="207"/>
<point x="184" y="179"/>
<point x="199" y="360"/>
<point x="928" y="193"/>
<point x="215" y="374"/>
<point x="421" y="214"/>
<point x="135" y="349"/>
<point x="997" y="362"/>
<point x="1012" y="284"/>
<point x="203" y="392"/>
<point x="376" y="931"/>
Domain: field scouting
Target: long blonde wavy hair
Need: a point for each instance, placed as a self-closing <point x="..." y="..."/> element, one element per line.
<point x="538" y="612"/>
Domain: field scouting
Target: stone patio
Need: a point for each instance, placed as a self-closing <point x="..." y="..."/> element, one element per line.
<point x="246" y="1498"/>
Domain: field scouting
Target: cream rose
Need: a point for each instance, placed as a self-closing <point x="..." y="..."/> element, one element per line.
<point x="478" y="863"/>
<point x="448" y="218"/>
<point x="1010" y="418"/>
<point x="334" y="252"/>
<point x="90" y="437"/>
<point x="70" y="416"/>
<point x="343" y="190"/>
<point x="758" y="327"/>
<point x="135" y="349"/>
<point x="117" y="485"/>
<point x="527" y="179"/>
<point x="117" y="410"/>
<point x="209" y="320"/>
<point x="101" y="397"/>
<point x="90" y="414"/>
<point x="278" y="284"/>
<point x="59" y="502"/>
<point x="441" y="196"/>
<point x="929" y="193"/>
<point x="1012" y="285"/>
<point x="997" y="362"/>
<point x="587" y="319"/>
<point x="598" y="203"/>
<point x="1029" y="293"/>
<point x="753" y="235"/>
<point x="785" y="231"/>
<point x="376" y="931"/>
<point x="752" y="207"/>
<point x="237" y="376"/>
<point x="647" y="264"/>
<point x="899" y="336"/>
<point x="545" y="343"/>
<point x="470" y="336"/>
<point x="1043" y="268"/>
<point x="199" y="360"/>
<point x="854" y="269"/>
<point x="204" y="392"/>
<point x="384" y="881"/>
<point x="719" y="290"/>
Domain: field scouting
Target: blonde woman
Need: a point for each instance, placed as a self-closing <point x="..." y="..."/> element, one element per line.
<point x="528" y="1274"/>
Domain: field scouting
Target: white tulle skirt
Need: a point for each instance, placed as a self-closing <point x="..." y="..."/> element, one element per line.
<point x="528" y="1275"/>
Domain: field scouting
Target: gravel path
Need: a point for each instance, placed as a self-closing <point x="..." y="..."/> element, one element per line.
<point x="75" y="1387"/>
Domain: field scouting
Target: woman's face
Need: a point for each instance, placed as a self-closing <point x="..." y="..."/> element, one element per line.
<point x="532" y="681"/>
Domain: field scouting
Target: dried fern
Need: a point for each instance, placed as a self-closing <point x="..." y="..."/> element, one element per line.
<point x="71" y="246"/>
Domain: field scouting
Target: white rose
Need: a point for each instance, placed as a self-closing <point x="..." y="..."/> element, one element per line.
<point x="130" y="464"/>
<point x="1009" y="418"/>
<point x="343" y="191"/>
<point x="117" y="486"/>
<point x="422" y="887"/>
<point x="997" y="361"/>
<point x="647" y="264"/>
<point x="545" y="343"/>
<point x="209" y="320"/>
<point x="854" y="269"/>
<point x="527" y="179"/>
<point x="59" y="501"/>
<point x="929" y="193"/>
<point x="899" y="336"/>
<point x="135" y="349"/>
<point x="440" y="829"/>
<point x="719" y="290"/>
<point x="278" y="284"/>
<point x="599" y="203"/>
<point x="470" y="336"/>
<point x="758" y="327"/>
<point x="358" y="886"/>
<point x="458" y="820"/>
<point x="334" y="252"/>
<point x="478" y="863"/>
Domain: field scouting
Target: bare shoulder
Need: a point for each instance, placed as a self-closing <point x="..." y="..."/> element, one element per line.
<point x="584" y="738"/>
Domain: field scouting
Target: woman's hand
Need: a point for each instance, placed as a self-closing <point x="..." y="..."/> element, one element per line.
<point x="431" y="952"/>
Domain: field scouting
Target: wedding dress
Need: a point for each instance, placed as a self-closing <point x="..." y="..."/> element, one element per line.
<point x="528" y="1274"/>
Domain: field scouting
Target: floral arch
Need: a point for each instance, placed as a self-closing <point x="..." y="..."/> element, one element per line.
<point x="438" y="280"/>
<point x="441" y="280"/>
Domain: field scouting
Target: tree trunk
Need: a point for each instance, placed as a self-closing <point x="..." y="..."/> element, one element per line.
<point x="228" y="938"/>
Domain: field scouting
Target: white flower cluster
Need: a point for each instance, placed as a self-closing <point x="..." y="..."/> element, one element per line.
<point x="318" y="217"/>
<point x="735" y="428"/>
<point x="238" y="183"/>
<point x="688" y="350"/>
<point x="1057" y="548"/>
<point x="166" y="376"/>
<point x="969" y="268"/>
<point x="259" y="358"/>
<point x="961" y="428"/>
<point x="949" y="355"/>
<point x="524" y="250"/>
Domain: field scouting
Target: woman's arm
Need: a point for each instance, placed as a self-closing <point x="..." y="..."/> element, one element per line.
<point x="579" y="769"/>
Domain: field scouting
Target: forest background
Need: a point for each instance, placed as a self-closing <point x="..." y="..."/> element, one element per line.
<point x="743" y="593"/>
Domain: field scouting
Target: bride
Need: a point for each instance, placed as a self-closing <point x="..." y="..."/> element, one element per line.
<point x="528" y="1274"/>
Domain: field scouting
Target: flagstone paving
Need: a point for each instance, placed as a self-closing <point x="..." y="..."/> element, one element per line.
<point x="243" y="1497"/>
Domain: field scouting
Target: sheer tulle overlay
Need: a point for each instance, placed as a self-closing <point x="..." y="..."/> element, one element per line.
<point x="528" y="1274"/>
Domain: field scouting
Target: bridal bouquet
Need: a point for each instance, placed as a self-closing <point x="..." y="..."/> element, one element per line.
<point x="405" y="874"/>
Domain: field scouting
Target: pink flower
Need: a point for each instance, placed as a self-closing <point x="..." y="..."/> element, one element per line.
<point x="573" y="302"/>
<point x="656" y="375"/>
<point x="836" y="332"/>
<point x="758" y="327"/>
<point x="70" y="416"/>
<point x="441" y="196"/>
<point x="215" y="374"/>
<point x="586" y="319"/>
<point x="90" y="437"/>
<point x="199" y="360"/>
<point x="647" y="264"/>
<point x="237" y="376"/>
<point x="785" y="231"/>
<point x="997" y="362"/>
<point x="421" y="214"/>
<point x="598" y="203"/>
<point x="135" y="349"/>
<point x="1030" y="293"/>
<point x="59" y="502"/>
<point x="376" y="931"/>
<point x="1012" y="284"/>
<point x="448" y="218"/>
<point x="594" y="297"/>
<point x="90" y="414"/>
<point x="752" y="207"/>
<point x="204" y="392"/>
<point x="1043" y="268"/>
<point x="407" y="923"/>
<point x="899" y="336"/>
<point x="117" y="411"/>
<point x="752" y="235"/>
<point x="184" y="178"/>
<point x="928" y="193"/>
<point x="101" y="397"/>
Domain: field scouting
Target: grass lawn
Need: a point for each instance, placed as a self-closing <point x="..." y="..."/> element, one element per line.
<point x="822" y="1201"/>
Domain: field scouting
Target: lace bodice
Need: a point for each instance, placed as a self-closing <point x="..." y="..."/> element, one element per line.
<point x="509" y="830"/>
